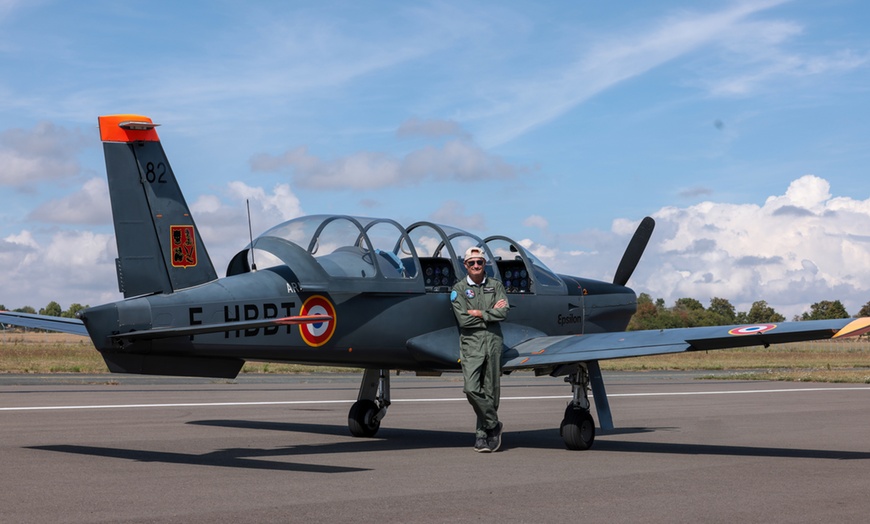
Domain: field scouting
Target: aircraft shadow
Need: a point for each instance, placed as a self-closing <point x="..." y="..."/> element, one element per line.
<point x="397" y="439"/>
<point x="392" y="439"/>
<point x="226" y="458"/>
<point x="605" y="444"/>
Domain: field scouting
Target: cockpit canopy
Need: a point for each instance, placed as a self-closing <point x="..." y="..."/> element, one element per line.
<point x="378" y="254"/>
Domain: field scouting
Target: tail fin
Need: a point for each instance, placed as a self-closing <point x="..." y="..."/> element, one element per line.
<point x="159" y="247"/>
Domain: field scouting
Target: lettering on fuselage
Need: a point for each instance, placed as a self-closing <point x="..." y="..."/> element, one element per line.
<point x="240" y="312"/>
<point x="570" y="318"/>
<point x="254" y="312"/>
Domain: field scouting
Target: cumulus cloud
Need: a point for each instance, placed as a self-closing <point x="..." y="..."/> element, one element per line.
<point x="454" y="158"/>
<point x="90" y="205"/>
<point x="223" y="222"/>
<point x="818" y="249"/>
<point x="78" y="266"/>
<point x="44" y="153"/>
<point x="69" y="266"/>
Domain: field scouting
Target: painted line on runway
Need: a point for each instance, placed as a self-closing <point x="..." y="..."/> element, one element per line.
<point x="458" y="399"/>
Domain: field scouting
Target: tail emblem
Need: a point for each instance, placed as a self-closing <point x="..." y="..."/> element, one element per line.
<point x="183" y="245"/>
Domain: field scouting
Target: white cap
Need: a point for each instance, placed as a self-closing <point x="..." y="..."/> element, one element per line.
<point x="474" y="252"/>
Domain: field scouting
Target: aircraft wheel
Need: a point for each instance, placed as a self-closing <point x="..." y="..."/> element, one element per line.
<point x="577" y="429"/>
<point x="361" y="418"/>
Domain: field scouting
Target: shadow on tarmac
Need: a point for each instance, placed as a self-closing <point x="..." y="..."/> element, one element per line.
<point x="401" y="439"/>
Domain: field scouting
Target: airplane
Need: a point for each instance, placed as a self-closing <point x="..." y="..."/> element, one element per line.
<point x="358" y="292"/>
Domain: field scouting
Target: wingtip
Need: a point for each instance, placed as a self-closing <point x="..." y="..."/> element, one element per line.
<point x="857" y="327"/>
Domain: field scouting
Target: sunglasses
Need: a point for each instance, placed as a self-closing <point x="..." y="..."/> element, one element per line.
<point x="477" y="262"/>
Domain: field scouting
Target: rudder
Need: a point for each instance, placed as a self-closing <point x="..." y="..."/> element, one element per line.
<point x="159" y="246"/>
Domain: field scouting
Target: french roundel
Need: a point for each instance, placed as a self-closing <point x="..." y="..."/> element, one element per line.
<point x="316" y="335"/>
<point x="752" y="330"/>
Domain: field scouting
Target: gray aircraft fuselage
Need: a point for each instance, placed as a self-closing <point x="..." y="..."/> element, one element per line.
<point x="410" y="326"/>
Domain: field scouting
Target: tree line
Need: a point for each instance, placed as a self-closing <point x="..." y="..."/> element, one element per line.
<point x="689" y="312"/>
<point x="53" y="309"/>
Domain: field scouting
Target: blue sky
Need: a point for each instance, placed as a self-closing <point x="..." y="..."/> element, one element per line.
<point x="742" y="127"/>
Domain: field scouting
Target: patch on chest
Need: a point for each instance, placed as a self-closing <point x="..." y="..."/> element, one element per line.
<point x="469" y="293"/>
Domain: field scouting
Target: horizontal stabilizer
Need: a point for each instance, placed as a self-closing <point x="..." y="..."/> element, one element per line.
<point x="223" y="327"/>
<point x="49" y="323"/>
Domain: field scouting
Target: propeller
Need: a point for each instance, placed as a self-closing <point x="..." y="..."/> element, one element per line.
<point x="634" y="251"/>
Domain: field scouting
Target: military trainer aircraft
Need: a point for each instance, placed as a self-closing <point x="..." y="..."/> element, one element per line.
<point x="359" y="292"/>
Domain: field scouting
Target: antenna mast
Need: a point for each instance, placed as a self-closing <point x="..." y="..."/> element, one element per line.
<point x="251" y="235"/>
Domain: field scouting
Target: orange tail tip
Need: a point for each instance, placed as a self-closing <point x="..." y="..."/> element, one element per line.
<point x="127" y="128"/>
<point x="855" y="328"/>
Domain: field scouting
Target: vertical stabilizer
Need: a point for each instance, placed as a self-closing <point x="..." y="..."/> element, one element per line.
<point x="159" y="247"/>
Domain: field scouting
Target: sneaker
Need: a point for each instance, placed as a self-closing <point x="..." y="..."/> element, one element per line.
<point x="480" y="445"/>
<point x="494" y="440"/>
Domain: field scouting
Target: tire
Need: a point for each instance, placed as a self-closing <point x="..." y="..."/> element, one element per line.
<point x="361" y="418"/>
<point x="577" y="429"/>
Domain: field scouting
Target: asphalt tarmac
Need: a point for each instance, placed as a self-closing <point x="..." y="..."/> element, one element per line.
<point x="109" y="448"/>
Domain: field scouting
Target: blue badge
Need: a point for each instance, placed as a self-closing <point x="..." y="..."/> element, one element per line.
<point x="469" y="293"/>
<point x="453" y="296"/>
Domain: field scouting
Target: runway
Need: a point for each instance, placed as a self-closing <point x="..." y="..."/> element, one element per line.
<point x="113" y="448"/>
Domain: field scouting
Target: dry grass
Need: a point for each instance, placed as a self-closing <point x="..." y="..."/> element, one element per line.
<point x="32" y="352"/>
<point x="48" y="353"/>
<point x="820" y="361"/>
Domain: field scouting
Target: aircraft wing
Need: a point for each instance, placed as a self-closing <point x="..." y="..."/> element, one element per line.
<point x="64" y="325"/>
<point x="555" y="350"/>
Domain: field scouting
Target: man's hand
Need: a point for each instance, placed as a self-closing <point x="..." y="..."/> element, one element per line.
<point x="500" y="304"/>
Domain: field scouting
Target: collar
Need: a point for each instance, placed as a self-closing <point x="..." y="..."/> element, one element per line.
<point x="471" y="282"/>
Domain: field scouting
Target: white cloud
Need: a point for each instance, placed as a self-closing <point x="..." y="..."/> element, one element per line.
<point x="224" y="224"/>
<point x="536" y="221"/>
<point x="796" y="249"/>
<point x="457" y="159"/>
<point x="90" y="205"/>
<point x="44" y="153"/>
<point x="71" y="266"/>
<point x="454" y="213"/>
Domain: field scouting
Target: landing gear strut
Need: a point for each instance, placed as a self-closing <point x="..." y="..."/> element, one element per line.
<point x="364" y="418"/>
<point x="578" y="427"/>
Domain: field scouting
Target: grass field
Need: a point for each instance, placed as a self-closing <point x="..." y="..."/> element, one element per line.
<point x="821" y="361"/>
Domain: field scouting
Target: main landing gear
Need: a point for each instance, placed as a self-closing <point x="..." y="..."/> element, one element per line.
<point x="578" y="427"/>
<point x="364" y="418"/>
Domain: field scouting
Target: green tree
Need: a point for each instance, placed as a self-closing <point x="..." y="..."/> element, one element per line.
<point x="53" y="309"/>
<point x="73" y="309"/>
<point x="865" y="310"/>
<point x="824" y="310"/>
<point x="689" y="304"/>
<point x="646" y="313"/>
<point x="25" y="309"/>
<point x="722" y="311"/>
<point x="760" y="312"/>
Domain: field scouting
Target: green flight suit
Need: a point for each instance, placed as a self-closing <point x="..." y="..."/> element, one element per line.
<point x="481" y="346"/>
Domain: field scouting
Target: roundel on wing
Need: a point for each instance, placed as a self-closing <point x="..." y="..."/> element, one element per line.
<point x="752" y="330"/>
<point x="318" y="334"/>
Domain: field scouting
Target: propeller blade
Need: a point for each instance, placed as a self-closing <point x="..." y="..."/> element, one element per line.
<point x="634" y="251"/>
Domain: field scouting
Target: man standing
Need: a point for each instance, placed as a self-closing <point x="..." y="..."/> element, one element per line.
<point x="480" y="303"/>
